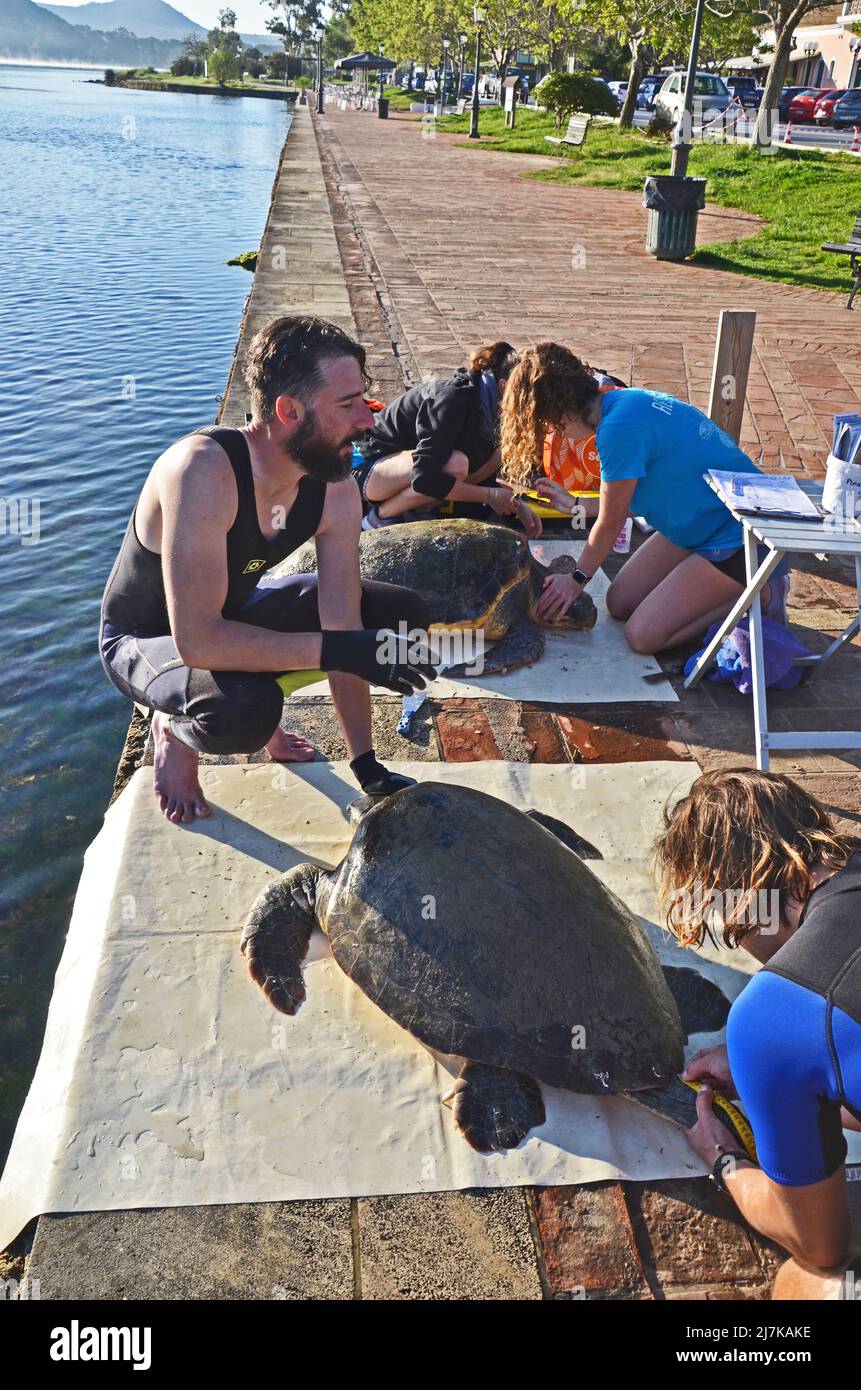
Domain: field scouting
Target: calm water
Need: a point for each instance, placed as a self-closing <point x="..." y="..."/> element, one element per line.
<point x="118" y="318"/>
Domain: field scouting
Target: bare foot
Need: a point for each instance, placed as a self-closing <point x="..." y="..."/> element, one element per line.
<point x="174" y="775"/>
<point x="290" y="748"/>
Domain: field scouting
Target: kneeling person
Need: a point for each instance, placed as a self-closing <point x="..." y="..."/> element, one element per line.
<point x="195" y="628"/>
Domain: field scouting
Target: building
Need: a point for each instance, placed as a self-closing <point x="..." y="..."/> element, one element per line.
<point x="826" y="52"/>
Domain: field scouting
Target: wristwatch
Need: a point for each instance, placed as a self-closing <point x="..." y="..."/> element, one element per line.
<point x="722" y="1161"/>
<point x="580" y="578"/>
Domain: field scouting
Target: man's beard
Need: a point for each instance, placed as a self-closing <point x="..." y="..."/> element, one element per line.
<point x="319" y="457"/>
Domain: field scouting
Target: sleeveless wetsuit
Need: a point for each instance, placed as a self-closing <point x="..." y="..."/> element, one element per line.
<point x="794" y="1037"/>
<point x="219" y="711"/>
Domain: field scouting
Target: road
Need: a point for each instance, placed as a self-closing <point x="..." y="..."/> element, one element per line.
<point x="825" y="137"/>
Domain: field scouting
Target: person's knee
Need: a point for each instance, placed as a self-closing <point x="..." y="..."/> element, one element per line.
<point x="458" y="465"/>
<point x="239" y="721"/>
<point x="617" y="605"/>
<point x="639" y="638"/>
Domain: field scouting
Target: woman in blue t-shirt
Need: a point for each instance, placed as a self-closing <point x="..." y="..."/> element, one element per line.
<point x="653" y="450"/>
<point x="754" y="857"/>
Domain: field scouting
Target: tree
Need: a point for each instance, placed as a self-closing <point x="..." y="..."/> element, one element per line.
<point x="293" y="22"/>
<point x="785" y="17"/>
<point x="224" y="66"/>
<point x="563" y="93"/>
<point x="225" y="36"/>
<point x="195" y="52"/>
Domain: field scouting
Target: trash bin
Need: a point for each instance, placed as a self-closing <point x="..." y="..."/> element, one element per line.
<point x="383" y="108"/>
<point x="673" y="204"/>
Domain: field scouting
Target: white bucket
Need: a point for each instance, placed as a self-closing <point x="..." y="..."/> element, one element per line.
<point x="842" y="492"/>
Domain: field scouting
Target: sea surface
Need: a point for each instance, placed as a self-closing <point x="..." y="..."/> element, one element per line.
<point x="118" y="320"/>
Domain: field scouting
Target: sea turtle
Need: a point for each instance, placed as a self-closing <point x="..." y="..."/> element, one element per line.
<point x="473" y="926"/>
<point x="473" y="575"/>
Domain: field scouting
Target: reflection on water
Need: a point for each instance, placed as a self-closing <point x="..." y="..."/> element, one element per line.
<point x="118" y="318"/>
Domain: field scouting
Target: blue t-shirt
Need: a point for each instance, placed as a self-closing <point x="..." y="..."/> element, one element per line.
<point x="667" y="446"/>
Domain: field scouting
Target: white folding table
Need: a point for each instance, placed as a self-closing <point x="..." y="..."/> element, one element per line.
<point x="782" y="536"/>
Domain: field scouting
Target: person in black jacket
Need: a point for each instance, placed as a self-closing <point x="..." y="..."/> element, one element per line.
<point x="440" y="440"/>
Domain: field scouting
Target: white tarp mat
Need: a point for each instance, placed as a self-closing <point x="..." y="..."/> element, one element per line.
<point x="596" y="667"/>
<point x="166" y="1079"/>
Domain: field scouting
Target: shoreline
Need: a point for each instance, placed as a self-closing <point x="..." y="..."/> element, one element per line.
<point x="289" y="94"/>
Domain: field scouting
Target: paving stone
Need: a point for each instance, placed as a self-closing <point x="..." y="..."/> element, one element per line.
<point x="629" y="736"/>
<point x="260" y="1250"/>
<point x="689" y="1233"/>
<point x="465" y="735"/>
<point x="541" y="730"/>
<point x="588" y="1242"/>
<point x="448" y="1245"/>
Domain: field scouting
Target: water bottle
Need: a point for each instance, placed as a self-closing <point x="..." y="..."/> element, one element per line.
<point x="412" y="703"/>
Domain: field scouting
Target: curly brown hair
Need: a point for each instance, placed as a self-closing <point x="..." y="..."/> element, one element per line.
<point x="548" y="382"/>
<point x="737" y="834"/>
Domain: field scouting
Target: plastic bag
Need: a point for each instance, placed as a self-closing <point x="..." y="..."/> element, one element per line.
<point x="669" y="193"/>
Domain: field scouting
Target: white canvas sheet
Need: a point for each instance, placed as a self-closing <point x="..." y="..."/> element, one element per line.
<point x="166" y="1079"/>
<point x="596" y="667"/>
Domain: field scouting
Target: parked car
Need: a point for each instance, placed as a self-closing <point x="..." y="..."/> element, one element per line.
<point x="619" y="90"/>
<point x="746" y="90"/>
<point x="711" y="97"/>
<point x="847" y="111"/>
<point x="802" y="107"/>
<point x="825" y="105"/>
<point x="467" y="83"/>
<point x="648" y="90"/>
<point x="787" y="97"/>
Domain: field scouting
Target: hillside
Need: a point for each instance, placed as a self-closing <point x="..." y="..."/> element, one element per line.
<point x="34" y="33"/>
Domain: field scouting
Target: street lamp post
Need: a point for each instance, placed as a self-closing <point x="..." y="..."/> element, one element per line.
<point x="478" y="16"/>
<point x="462" y="40"/>
<point x="318" y="35"/>
<point x="446" y="45"/>
<point x="682" y="147"/>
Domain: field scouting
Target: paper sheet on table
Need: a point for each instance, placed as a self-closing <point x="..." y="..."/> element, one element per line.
<point x="166" y="1079"/>
<point x="596" y="667"/>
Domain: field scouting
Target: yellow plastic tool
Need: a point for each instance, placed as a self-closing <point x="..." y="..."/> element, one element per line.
<point x="733" y="1118"/>
<point x="291" y="681"/>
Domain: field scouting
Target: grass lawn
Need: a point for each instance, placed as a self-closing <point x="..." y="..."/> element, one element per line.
<point x="142" y="74"/>
<point x="806" y="197"/>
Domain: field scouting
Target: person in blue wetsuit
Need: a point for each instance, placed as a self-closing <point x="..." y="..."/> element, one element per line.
<point x="653" y="450"/>
<point x="764" y="854"/>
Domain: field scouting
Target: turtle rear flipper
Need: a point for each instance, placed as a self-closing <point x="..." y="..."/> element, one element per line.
<point x="276" y="934"/>
<point x="494" y="1109"/>
<point x="568" y="837"/>
<point x="523" y="645"/>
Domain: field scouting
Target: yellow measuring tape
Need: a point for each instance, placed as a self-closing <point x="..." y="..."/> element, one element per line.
<point x="736" y="1120"/>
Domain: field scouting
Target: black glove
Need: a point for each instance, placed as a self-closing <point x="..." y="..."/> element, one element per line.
<point x="376" y="780"/>
<point x="359" y="654"/>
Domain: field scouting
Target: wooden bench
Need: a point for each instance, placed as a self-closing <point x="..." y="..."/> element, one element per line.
<point x="851" y="248"/>
<point x="575" y="133"/>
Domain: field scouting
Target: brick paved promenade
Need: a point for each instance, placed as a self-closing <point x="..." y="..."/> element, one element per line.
<point x="441" y="248"/>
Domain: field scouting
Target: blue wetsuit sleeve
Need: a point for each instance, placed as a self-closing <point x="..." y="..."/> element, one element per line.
<point x="782" y="1066"/>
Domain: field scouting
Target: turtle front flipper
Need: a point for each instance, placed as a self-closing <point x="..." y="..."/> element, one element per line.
<point x="522" y="646"/>
<point x="276" y="934"/>
<point x="494" y="1109"/>
<point x="584" y="849"/>
<point x="579" y="616"/>
<point x="703" y="1007"/>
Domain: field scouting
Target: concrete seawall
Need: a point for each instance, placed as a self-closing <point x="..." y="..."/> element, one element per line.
<point x="143" y="84"/>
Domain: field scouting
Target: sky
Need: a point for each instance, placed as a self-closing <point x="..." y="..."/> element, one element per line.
<point x="251" y="15"/>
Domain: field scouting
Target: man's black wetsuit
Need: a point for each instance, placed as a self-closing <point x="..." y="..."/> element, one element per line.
<point x="227" y="711"/>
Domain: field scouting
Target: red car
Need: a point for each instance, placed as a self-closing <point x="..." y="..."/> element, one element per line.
<point x="825" y="105"/>
<point x="802" y="107"/>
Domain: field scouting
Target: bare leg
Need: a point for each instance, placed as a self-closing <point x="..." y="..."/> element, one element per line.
<point x="682" y="606"/>
<point x="175" y="780"/>
<point x="655" y="559"/>
<point x="793" y="1282"/>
